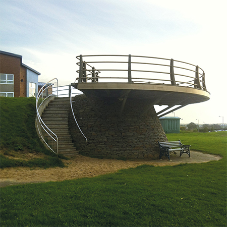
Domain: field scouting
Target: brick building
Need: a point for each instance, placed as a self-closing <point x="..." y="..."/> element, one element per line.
<point x="16" y="78"/>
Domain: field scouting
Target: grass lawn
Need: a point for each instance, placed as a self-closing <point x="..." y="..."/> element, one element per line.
<point x="183" y="195"/>
<point x="18" y="135"/>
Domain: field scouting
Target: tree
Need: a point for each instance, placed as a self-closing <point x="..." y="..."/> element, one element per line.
<point x="192" y="126"/>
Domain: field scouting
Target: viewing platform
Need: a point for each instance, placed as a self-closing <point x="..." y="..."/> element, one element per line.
<point x="116" y="112"/>
<point x="163" y="81"/>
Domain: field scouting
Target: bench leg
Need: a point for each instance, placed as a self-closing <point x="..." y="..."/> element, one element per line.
<point x="168" y="154"/>
<point x="185" y="150"/>
<point x="164" y="152"/>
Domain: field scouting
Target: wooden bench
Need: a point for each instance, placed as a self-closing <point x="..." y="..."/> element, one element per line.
<point x="170" y="146"/>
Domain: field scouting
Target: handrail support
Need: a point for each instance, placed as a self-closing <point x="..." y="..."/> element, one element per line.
<point x="197" y="81"/>
<point x="129" y="69"/>
<point x="172" y="77"/>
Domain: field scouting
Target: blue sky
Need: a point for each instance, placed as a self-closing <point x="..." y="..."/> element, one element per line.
<point x="50" y="33"/>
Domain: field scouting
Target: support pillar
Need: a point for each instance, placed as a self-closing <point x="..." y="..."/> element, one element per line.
<point x="130" y="136"/>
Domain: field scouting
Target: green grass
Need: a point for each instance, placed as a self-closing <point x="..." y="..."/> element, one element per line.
<point x="183" y="195"/>
<point x="18" y="133"/>
<point x="213" y="142"/>
<point x="17" y="126"/>
<point x="37" y="162"/>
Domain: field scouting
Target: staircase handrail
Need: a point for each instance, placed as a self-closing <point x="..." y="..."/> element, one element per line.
<point x="46" y="100"/>
<point x="75" y="118"/>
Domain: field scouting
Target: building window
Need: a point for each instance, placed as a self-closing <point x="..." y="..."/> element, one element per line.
<point x="6" y="78"/>
<point x="6" y="94"/>
<point x="32" y="89"/>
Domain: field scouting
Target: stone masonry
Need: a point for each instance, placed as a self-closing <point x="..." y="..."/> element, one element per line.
<point x="132" y="133"/>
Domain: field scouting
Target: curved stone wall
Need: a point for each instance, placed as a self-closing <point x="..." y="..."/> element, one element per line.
<point x="113" y="132"/>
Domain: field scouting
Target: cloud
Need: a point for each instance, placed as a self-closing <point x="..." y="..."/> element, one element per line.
<point x="50" y="33"/>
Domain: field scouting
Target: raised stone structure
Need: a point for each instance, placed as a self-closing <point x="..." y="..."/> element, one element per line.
<point x="130" y="134"/>
<point x="116" y="112"/>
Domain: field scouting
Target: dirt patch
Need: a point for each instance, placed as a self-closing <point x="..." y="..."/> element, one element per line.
<point x="81" y="166"/>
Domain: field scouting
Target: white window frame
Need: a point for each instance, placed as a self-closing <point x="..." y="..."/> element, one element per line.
<point x="7" y="93"/>
<point x="7" y="81"/>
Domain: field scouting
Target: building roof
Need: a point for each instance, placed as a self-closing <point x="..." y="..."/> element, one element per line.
<point x="19" y="56"/>
<point x="38" y="73"/>
<point x="10" y="54"/>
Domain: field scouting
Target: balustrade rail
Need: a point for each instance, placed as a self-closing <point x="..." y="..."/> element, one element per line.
<point x="49" y="138"/>
<point x="152" y="70"/>
<point x="46" y="94"/>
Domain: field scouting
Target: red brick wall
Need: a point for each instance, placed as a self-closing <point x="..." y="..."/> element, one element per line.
<point x="12" y="65"/>
<point x="23" y="82"/>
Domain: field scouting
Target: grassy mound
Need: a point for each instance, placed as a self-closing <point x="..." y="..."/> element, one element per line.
<point x="18" y="133"/>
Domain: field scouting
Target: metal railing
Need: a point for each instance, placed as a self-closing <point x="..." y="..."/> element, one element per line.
<point x="65" y="91"/>
<point x="42" y="99"/>
<point x="152" y="70"/>
<point x="49" y="138"/>
<point x="69" y="91"/>
<point x="71" y="106"/>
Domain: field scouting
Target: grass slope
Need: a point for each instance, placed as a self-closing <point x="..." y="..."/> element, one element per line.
<point x="18" y="133"/>
<point x="183" y="195"/>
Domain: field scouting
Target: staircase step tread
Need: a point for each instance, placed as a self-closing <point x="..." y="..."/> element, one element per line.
<point x="51" y="122"/>
<point x="57" y="126"/>
<point x="68" y="152"/>
<point x="56" y="118"/>
<point x="48" y="115"/>
<point x="65" y="105"/>
<point x="55" y="110"/>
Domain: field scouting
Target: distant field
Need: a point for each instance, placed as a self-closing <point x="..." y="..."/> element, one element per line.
<point x="183" y="195"/>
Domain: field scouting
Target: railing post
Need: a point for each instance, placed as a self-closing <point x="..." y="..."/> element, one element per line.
<point x="69" y="91"/>
<point x="84" y="79"/>
<point x="172" y="77"/>
<point x="93" y="75"/>
<point x="81" y="69"/>
<point x="129" y="69"/>
<point x="197" y="82"/>
<point x="203" y="82"/>
<point x="57" y="87"/>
